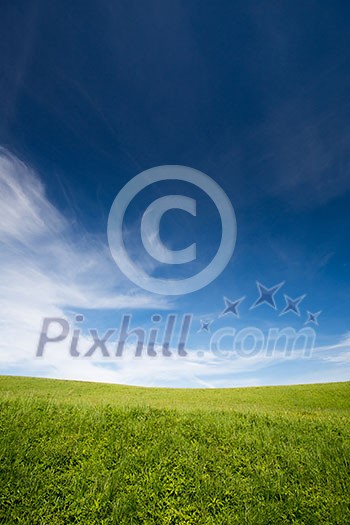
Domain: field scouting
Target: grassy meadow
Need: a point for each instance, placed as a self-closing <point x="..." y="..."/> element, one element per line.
<point x="90" y="453"/>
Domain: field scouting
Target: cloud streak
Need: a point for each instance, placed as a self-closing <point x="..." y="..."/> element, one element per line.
<point x="49" y="265"/>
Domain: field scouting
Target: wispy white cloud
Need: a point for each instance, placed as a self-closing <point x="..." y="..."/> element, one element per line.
<point x="41" y="248"/>
<point x="25" y="213"/>
<point x="49" y="265"/>
<point x="343" y="358"/>
<point x="193" y="371"/>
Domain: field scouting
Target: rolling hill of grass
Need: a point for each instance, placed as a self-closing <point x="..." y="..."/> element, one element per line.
<point x="89" y="453"/>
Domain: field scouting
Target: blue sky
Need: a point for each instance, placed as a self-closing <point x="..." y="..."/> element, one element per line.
<point x="254" y="95"/>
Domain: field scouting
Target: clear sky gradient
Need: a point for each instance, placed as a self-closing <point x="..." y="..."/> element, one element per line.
<point x="253" y="94"/>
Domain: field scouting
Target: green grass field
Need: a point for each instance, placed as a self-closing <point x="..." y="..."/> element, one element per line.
<point x="89" y="453"/>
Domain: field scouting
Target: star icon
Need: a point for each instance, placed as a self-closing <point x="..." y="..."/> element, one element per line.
<point x="205" y="326"/>
<point x="312" y="318"/>
<point x="292" y="305"/>
<point x="267" y="295"/>
<point x="231" y="306"/>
